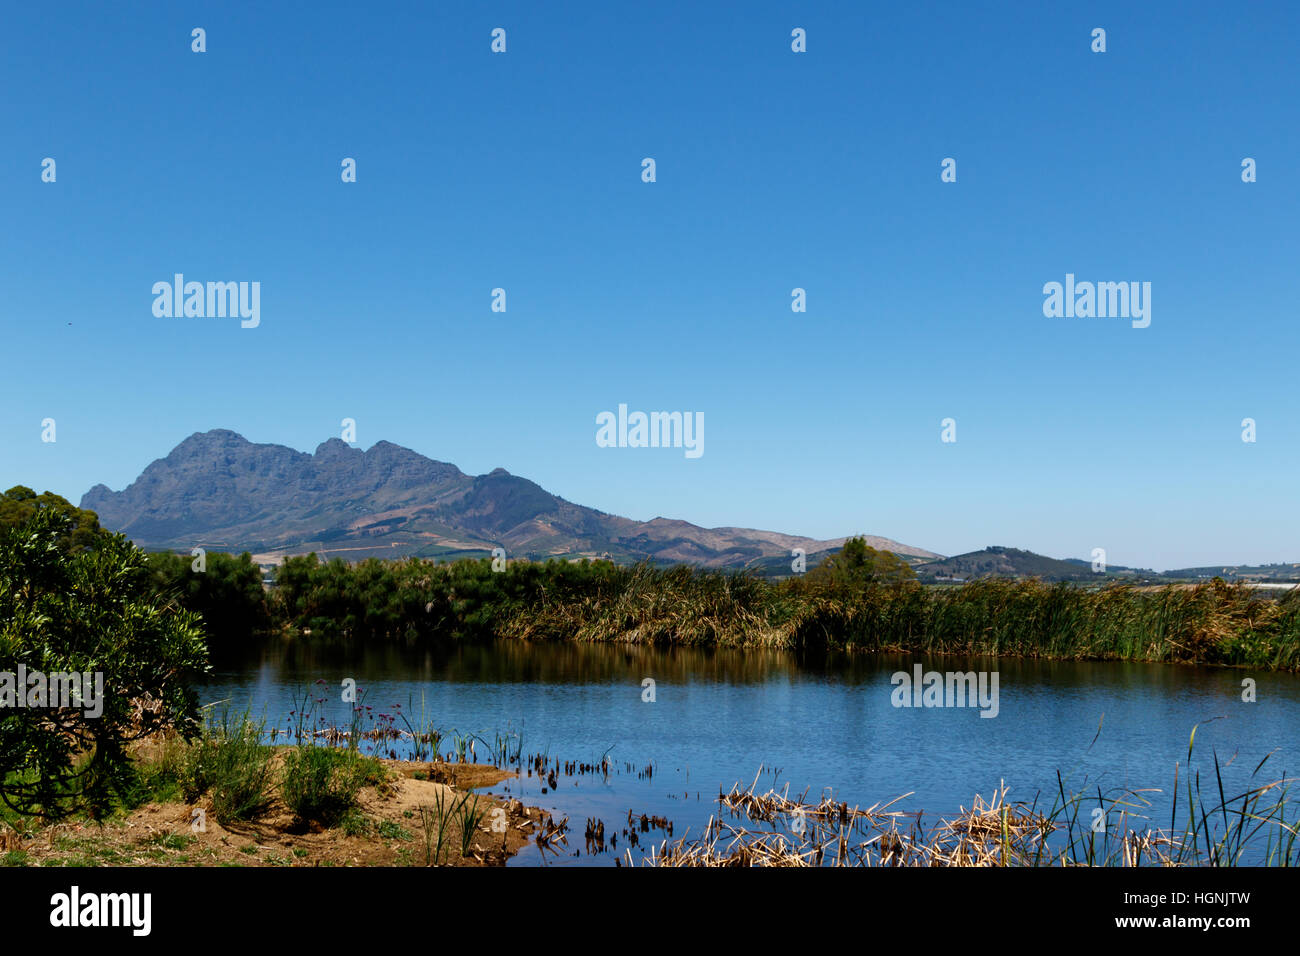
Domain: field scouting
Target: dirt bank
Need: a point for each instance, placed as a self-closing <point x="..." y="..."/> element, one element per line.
<point x="395" y="818"/>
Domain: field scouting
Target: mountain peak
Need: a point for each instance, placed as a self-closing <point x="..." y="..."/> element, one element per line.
<point x="218" y="490"/>
<point x="213" y="438"/>
<point x="335" y="448"/>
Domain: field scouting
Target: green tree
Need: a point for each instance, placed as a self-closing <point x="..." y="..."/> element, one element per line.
<point x="20" y="503"/>
<point x="227" y="594"/>
<point x="88" y="612"/>
<point x="857" y="563"/>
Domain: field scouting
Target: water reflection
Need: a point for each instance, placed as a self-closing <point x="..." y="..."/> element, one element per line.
<point x="812" y="721"/>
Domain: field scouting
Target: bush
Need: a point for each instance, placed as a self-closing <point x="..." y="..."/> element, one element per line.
<point x="227" y="595"/>
<point x="230" y="763"/>
<point x="19" y="505"/>
<point x="321" y="784"/>
<point x="66" y="610"/>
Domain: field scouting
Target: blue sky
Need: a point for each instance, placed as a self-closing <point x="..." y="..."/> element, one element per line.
<point x="775" y="170"/>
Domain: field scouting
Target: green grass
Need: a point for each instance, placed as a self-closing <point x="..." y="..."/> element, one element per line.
<point x="173" y="841"/>
<point x="355" y="823"/>
<point x="321" y="784"/>
<point x="434" y="821"/>
<point x="1257" y="826"/>
<point x="468" y="815"/>
<point x="392" y="831"/>
<point x="231" y="764"/>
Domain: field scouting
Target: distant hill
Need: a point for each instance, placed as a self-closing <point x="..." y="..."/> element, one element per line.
<point x="1000" y="562"/>
<point x="780" y="565"/>
<point x="1275" y="573"/>
<point x="220" y="491"/>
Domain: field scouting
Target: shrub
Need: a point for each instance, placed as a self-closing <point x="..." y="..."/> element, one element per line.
<point x="228" y="595"/>
<point x="86" y="611"/>
<point x="321" y="784"/>
<point x="231" y="764"/>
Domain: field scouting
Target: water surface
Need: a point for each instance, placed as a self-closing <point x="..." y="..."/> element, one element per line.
<point x="814" y="722"/>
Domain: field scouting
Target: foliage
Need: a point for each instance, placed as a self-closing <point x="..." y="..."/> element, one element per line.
<point x="230" y="763"/>
<point x="857" y="564"/>
<point x="860" y="598"/>
<point x="86" y="611"/>
<point x="227" y="594"/>
<point x="20" y="504"/>
<point x="321" y="783"/>
<point x="415" y="600"/>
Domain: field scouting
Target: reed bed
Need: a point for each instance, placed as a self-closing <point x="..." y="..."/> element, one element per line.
<point x="1209" y="623"/>
<point x="1255" y="827"/>
<point x="857" y="599"/>
<point x="678" y="605"/>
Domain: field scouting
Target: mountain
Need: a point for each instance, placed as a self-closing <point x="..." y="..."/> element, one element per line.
<point x="999" y="562"/>
<point x="1271" y="573"/>
<point x="219" y="491"/>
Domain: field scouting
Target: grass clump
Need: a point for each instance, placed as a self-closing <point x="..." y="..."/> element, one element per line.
<point x="173" y="841"/>
<point x="468" y="815"/>
<point x="321" y="784"/>
<point x="230" y="763"/>
<point x="393" y="831"/>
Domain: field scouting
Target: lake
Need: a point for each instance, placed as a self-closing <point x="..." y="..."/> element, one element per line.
<point x="813" y="722"/>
